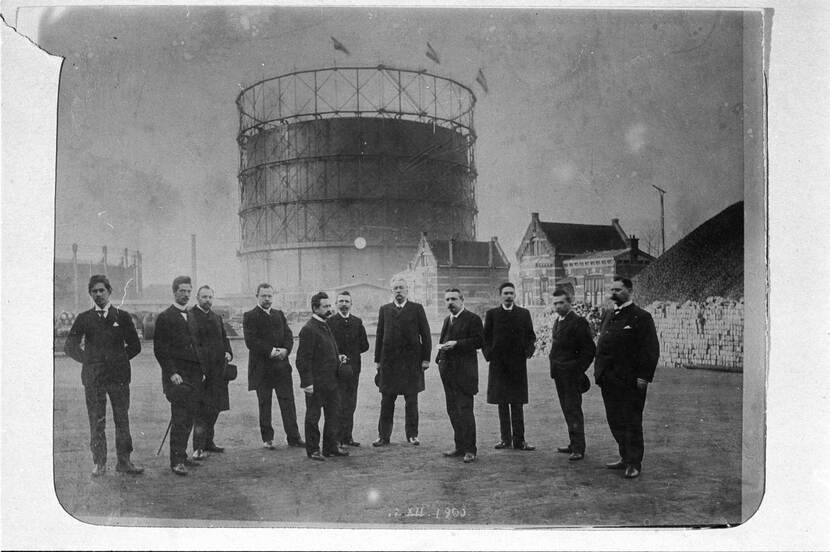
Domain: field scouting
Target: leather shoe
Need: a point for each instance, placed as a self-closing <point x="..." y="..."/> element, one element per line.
<point x="128" y="467"/>
<point x="179" y="469"/>
<point x="452" y="453"/>
<point x="351" y="443"/>
<point x="413" y="441"/>
<point x="631" y="471"/>
<point x="618" y="465"/>
<point x="269" y="445"/>
<point x="192" y="462"/>
<point x="576" y="456"/>
<point x="336" y="452"/>
<point x="200" y="454"/>
<point x="298" y="443"/>
<point x="99" y="470"/>
<point x="564" y="450"/>
<point x="380" y="442"/>
<point x="469" y="457"/>
<point x="316" y="456"/>
<point x="502" y="445"/>
<point x="213" y="448"/>
<point x="523" y="446"/>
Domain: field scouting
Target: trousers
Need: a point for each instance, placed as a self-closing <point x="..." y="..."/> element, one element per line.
<point x="512" y="420"/>
<point x="287" y="410"/>
<point x="387" y="414"/>
<point x="570" y="399"/>
<point x="462" y="418"/>
<point x="624" y="412"/>
<point x="348" y="404"/>
<point x="96" y="408"/>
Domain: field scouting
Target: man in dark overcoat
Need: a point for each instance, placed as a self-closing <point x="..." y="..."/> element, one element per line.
<point x="509" y="340"/>
<point x="103" y="339"/>
<point x="269" y="341"/>
<point x="214" y="351"/>
<point x="402" y="350"/>
<point x="318" y="362"/>
<point x="461" y="336"/>
<point x="571" y="353"/>
<point x="351" y="339"/>
<point x="182" y="376"/>
<point x="626" y="358"/>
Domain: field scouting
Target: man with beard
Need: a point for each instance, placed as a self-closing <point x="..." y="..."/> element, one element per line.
<point x="269" y="341"/>
<point x="626" y="358"/>
<point x="351" y="339"/>
<point x="509" y="340"/>
<point x="109" y="343"/>
<point x="461" y="337"/>
<point x="181" y="373"/>
<point x="571" y="353"/>
<point x="318" y="362"/>
<point x="402" y="348"/>
<point x="214" y="351"/>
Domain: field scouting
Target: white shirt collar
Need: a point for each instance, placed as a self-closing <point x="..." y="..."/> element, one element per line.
<point x="561" y="318"/>
<point x="621" y="307"/>
<point x="511" y="307"/>
<point x="267" y="311"/>
<point x="402" y="305"/>
<point x="455" y="316"/>
<point x="203" y="310"/>
<point x="105" y="309"/>
<point x="344" y="316"/>
<point x="321" y="319"/>
<point x="181" y="308"/>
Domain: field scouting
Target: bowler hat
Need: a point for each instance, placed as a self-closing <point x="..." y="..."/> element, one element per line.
<point x="230" y="372"/>
<point x="584" y="384"/>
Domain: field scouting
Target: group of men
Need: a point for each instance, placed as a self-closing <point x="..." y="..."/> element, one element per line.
<point x="194" y="352"/>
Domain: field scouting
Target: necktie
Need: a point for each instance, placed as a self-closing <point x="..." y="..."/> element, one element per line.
<point x="101" y="314"/>
<point x="452" y="320"/>
<point x="556" y="325"/>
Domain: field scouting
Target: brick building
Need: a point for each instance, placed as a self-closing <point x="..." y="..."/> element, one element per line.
<point x="547" y="245"/>
<point x="590" y="274"/>
<point x="475" y="267"/>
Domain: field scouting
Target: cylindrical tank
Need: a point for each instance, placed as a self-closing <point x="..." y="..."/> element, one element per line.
<point x="332" y="159"/>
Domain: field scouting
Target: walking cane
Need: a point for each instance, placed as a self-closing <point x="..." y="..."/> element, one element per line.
<point x="163" y="439"/>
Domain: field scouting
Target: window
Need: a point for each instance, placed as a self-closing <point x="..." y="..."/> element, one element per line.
<point x="594" y="289"/>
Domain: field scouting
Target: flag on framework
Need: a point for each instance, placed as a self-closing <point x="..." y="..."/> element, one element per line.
<point x="481" y="80"/>
<point x="432" y="54"/>
<point x="339" y="46"/>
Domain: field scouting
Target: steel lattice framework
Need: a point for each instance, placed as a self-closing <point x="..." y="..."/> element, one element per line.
<point x="328" y="155"/>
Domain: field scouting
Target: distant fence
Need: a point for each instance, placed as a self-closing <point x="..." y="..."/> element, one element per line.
<point x="706" y="334"/>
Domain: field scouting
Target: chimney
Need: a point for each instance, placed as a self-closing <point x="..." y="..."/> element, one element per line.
<point x="451" y="244"/>
<point x="490" y="255"/>
<point x="534" y="220"/>
<point x="634" y="246"/>
<point x="615" y="222"/>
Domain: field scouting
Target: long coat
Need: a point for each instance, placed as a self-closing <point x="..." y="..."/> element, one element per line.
<point x="264" y="332"/>
<point x="211" y="345"/>
<point x="317" y="356"/>
<point x="627" y="348"/>
<point x="509" y="340"/>
<point x="175" y="350"/>
<point x="571" y="346"/>
<point x="351" y="338"/>
<point x="459" y="365"/>
<point x="403" y="341"/>
<point x="109" y="344"/>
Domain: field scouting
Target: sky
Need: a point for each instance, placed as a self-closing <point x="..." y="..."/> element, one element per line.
<point x="586" y="110"/>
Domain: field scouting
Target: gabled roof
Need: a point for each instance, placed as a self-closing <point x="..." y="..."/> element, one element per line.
<point x="579" y="238"/>
<point x="468" y="253"/>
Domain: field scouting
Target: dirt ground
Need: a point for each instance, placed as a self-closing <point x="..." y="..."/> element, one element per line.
<point x="691" y="472"/>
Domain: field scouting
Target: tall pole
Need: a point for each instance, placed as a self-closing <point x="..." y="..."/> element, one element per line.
<point x="193" y="258"/>
<point x="662" y="192"/>
<point x="75" y="276"/>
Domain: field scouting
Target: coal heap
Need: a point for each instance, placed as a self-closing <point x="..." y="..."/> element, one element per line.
<point x="709" y="262"/>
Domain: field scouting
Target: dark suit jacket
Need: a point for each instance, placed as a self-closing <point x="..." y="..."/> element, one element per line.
<point x="459" y="365"/>
<point x="509" y="340"/>
<point x="350" y="336"/>
<point x="175" y="349"/>
<point x="109" y="344"/>
<point x="627" y="348"/>
<point x="211" y="345"/>
<point x="263" y="332"/>
<point x="403" y="341"/>
<point x="317" y="356"/>
<point x="571" y="346"/>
